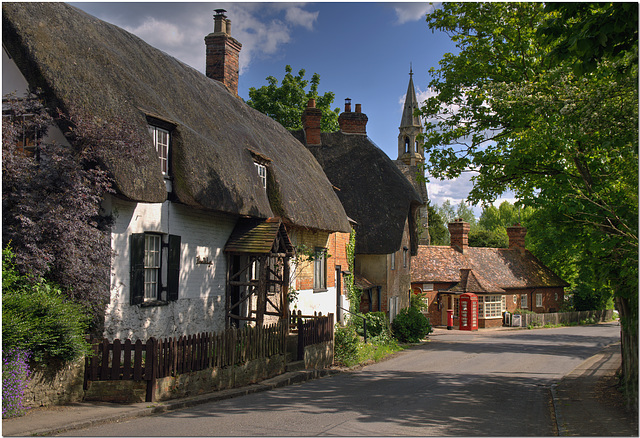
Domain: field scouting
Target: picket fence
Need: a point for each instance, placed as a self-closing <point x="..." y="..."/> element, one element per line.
<point x="542" y="319"/>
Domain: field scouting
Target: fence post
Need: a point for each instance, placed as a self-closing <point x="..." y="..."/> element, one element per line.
<point x="150" y="369"/>
<point x="300" y="339"/>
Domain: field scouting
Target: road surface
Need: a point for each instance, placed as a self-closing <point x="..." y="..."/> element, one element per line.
<point x="485" y="383"/>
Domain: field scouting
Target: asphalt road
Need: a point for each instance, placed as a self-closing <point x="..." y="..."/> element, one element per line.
<point x="486" y="383"/>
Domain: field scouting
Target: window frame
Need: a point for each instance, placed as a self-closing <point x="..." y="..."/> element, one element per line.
<point x="496" y="305"/>
<point x="320" y="269"/>
<point x="152" y="266"/>
<point x="163" y="156"/>
<point x="393" y="261"/>
<point x="168" y="274"/>
<point x="262" y="173"/>
<point x="538" y="299"/>
<point x="523" y="301"/>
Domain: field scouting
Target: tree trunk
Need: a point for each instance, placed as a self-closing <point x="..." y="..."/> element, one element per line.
<point x="629" y="345"/>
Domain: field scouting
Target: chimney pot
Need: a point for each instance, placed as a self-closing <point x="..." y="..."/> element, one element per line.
<point x="347" y="105"/>
<point x="358" y="108"/>
<point x="311" y="103"/>
<point x="223" y="53"/>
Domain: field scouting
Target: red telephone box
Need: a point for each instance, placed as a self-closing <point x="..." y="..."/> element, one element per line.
<point x="468" y="312"/>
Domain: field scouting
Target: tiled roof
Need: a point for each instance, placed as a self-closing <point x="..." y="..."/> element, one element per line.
<point x="474" y="283"/>
<point x="504" y="268"/>
<point x="255" y="236"/>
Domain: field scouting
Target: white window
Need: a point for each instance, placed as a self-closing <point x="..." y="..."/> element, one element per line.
<point x="152" y="252"/>
<point x="538" y="300"/>
<point x="320" y="269"/>
<point x="262" y="174"/>
<point x="161" y="142"/>
<point x="491" y="306"/>
<point x="515" y="299"/>
<point x="393" y="261"/>
<point x="523" y="301"/>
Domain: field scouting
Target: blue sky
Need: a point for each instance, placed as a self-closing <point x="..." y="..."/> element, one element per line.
<point x="361" y="51"/>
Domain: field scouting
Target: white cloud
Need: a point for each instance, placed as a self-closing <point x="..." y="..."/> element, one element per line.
<point x="299" y="17"/>
<point x="406" y="12"/>
<point x="159" y="33"/>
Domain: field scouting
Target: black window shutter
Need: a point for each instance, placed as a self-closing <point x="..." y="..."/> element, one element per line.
<point x="173" y="268"/>
<point x="136" y="288"/>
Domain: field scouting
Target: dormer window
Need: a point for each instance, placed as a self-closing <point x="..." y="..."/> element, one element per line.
<point x="262" y="174"/>
<point x="161" y="140"/>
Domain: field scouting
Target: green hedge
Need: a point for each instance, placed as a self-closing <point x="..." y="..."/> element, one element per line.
<point x="37" y="317"/>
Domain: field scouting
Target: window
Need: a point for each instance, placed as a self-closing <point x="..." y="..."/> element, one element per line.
<point x="523" y="301"/>
<point x="538" y="300"/>
<point x="152" y="251"/>
<point x="161" y="142"/>
<point x="393" y="261"/>
<point x="320" y="269"/>
<point x="515" y="299"/>
<point x="155" y="268"/>
<point x="456" y="305"/>
<point x="29" y="135"/>
<point x="491" y="306"/>
<point x="262" y="174"/>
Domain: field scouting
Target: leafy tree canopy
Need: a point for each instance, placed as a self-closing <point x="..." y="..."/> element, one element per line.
<point x="543" y="101"/>
<point x="285" y="102"/>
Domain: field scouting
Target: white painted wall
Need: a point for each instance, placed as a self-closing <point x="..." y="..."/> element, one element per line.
<point x="201" y="296"/>
<point x="12" y="79"/>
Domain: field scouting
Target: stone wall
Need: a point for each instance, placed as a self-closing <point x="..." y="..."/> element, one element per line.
<point x="55" y="385"/>
<point x="188" y="384"/>
<point x="318" y="355"/>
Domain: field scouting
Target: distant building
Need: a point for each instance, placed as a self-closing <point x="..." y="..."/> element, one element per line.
<point x="411" y="156"/>
<point x="504" y="279"/>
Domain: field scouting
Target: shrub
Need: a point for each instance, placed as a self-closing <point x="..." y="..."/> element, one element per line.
<point x="15" y="376"/>
<point x="377" y="324"/>
<point x="410" y="325"/>
<point x="38" y="318"/>
<point x="346" y="344"/>
<point x="418" y="301"/>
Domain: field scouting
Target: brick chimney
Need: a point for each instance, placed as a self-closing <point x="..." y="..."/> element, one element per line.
<point x="311" y="117"/>
<point x="516" y="234"/>
<point x="459" y="231"/>
<point x="353" y="123"/>
<point x="223" y="53"/>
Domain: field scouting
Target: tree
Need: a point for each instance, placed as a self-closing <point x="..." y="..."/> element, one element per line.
<point x="285" y="103"/>
<point x="564" y="142"/>
<point x="52" y="195"/>
<point x="437" y="228"/>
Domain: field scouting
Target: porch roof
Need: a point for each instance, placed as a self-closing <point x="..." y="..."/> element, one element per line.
<point x="259" y="236"/>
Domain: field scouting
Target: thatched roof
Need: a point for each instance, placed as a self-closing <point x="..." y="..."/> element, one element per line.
<point x="109" y="74"/>
<point x="502" y="267"/>
<point x="374" y="192"/>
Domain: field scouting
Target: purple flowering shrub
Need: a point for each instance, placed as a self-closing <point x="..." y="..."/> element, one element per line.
<point x="15" y="376"/>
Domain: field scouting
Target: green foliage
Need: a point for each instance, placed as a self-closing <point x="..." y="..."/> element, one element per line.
<point x="418" y="301"/>
<point x="346" y="344"/>
<point x="377" y="325"/>
<point x="542" y="100"/>
<point x="437" y="226"/>
<point x="350" y="350"/>
<point x="354" y="293"/>
<point x="285" y="102"/>
<point x="38" y="318"/>
<point x="410" y="325"/>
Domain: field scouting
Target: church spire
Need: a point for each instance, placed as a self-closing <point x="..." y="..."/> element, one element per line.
<point x="410" y="105"/>
<point x="409" y="148"/>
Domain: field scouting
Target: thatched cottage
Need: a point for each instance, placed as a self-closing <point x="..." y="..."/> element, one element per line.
<point x="206" y="224"/>
<point x="378" y="197"/>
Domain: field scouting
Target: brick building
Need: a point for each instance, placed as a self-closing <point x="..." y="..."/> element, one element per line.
<point x="504" y="279"/>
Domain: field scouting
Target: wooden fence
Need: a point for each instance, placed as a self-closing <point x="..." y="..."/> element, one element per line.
<point x="311" y="329"/>
<point x="155" y="358"/>
<point x="541" y="319"/>
<point x="158" y="358"/>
